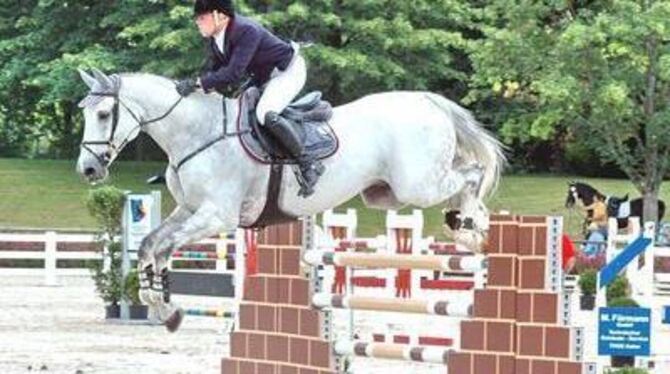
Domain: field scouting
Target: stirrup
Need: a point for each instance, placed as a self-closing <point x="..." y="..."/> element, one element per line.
<point x="305" y="188"/>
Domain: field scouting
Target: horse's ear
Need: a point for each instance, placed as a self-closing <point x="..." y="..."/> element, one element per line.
<point x="103" y="79"/>
<point x="87" y="78"/>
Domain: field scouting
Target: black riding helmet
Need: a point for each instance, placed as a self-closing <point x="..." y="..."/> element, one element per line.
<point x="205" y="6"/>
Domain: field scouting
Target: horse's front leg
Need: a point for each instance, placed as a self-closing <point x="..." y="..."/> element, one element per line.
<point x="208" y="220"/>
<point x="146" y="255"/>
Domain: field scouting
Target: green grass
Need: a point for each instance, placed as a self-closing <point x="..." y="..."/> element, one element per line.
<point x="49" y="194"/>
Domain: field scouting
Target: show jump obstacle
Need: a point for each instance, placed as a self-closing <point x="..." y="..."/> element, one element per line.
<point x="518" y="324"/>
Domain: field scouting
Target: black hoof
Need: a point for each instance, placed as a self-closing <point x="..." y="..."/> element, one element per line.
<point x="452" y="219"/>
<point x="174" y="321"/>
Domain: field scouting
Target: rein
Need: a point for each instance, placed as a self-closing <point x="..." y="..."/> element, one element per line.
<point x="105" y="158"/>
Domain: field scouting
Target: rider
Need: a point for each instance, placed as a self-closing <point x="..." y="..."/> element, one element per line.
<point x="239" y="46"/>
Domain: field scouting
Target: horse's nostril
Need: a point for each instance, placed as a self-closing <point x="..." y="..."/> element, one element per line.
<point x="89" y="171"/>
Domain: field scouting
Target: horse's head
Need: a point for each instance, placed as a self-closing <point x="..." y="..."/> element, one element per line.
<point x="581" y="192"/>
<point x="108" y="125"/>
<point x="572" y="197"/>
<point x="614" y="203"/>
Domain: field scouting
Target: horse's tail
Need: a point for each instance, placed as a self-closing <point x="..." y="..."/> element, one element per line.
<point x="474" y="143"/>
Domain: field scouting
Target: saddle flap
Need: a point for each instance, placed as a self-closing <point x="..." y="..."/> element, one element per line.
<point x="309" y="115"/>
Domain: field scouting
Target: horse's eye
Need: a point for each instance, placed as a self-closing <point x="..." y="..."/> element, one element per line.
<point x="103" y="115"/>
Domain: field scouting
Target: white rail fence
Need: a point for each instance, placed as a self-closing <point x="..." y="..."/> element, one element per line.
<point x="50" y="254"/>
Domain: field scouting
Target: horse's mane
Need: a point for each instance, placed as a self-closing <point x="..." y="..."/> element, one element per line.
<point x="166" y="83"/>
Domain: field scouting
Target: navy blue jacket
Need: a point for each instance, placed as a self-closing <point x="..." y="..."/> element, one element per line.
<point x="249" y="49"/>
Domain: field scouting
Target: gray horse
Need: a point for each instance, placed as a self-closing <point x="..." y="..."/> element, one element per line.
<point x="396" y="148"/>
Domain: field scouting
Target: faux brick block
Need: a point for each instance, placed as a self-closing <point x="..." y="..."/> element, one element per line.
<point x="531" y="340"/>
<point x="557" y="341"/>
<point x="229" y="366"/>
<point x="540" y="247"/>
<point x="486" y="303"/>
<point x="319" y="354"/>
<point x="310" y="323"/>
<point x="508" y="305"/>
<point x="545" y="309"/>
<point x="267" y="318"/>
<point x="526" y="240"/>
<point x="254" y="289"/>
<point x="501" y="271"/>
<point x="472" y="335"/>
<point x="284" y="291"/>
<point x="522" y="366"/>
<point x="524" y="307"/>
<point x="267" y="261"/>
<point x="263" y="368"/>
<point x="502" y="238"/>
<point x="290" y="261"/>
<point x="289" y="320"/>
<point x="460" y="362"/>
<point x="569" y="368"/>
<point x="299" y="351"/>
<point x="509" y="238"/>
<point x="507" y="365"/>
<point x="500" y="337"/>
<point x="285" y="369"/>
<point x="484" y="363"/>
<point x="247" y="367"/>
<point x="275" y="292"/>
<point x="238" y="344"/>
<point x="532" y="219"/>
<point x="544" y="366"/>
<point x="493" y="239"/>
<point x="532" y="274"/>
<point x="300" y="292"/>
<point x="284" y="234"/>
<point x="256" y="346"/>
<point x="278" y="348"/>
<point x="247" y="314"/>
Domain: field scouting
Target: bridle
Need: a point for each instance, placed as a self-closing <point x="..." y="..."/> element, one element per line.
<point x="105" y="159"/>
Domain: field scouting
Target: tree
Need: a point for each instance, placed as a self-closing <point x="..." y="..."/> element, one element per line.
<point x="361" y="47"/>
<point x="597" y="71"/>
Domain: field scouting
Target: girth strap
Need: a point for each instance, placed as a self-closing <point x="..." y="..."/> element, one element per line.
<point x="271" y="214"/>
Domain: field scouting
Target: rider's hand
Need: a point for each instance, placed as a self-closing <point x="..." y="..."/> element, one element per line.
<point x="186" y="87"/>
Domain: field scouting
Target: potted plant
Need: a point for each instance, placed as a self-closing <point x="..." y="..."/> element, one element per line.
<point x="105" y="204"/>
<point x="107" y="281"/>
<point x="131" y="288"/>
<point x="618" y="288"/>
<point x="618" y="295"/>
<point x="587" y="284"/>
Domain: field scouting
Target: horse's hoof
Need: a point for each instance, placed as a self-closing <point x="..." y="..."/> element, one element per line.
<point x="173" y="322"/>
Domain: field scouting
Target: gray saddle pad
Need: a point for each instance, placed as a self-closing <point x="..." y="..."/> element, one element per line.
<point x="309" y="114"/>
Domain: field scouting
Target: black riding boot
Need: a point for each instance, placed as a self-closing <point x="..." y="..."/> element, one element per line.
<point x="310" y="168"/>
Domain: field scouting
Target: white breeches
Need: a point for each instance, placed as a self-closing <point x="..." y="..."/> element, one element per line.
<point x="283" y="86"/>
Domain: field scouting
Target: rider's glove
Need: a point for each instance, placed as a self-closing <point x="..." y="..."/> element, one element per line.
<point x="186" y="87"/>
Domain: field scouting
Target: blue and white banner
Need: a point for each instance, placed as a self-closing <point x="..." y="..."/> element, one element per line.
<point x="624" y="331"/>
<point x="138" y="219"/>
